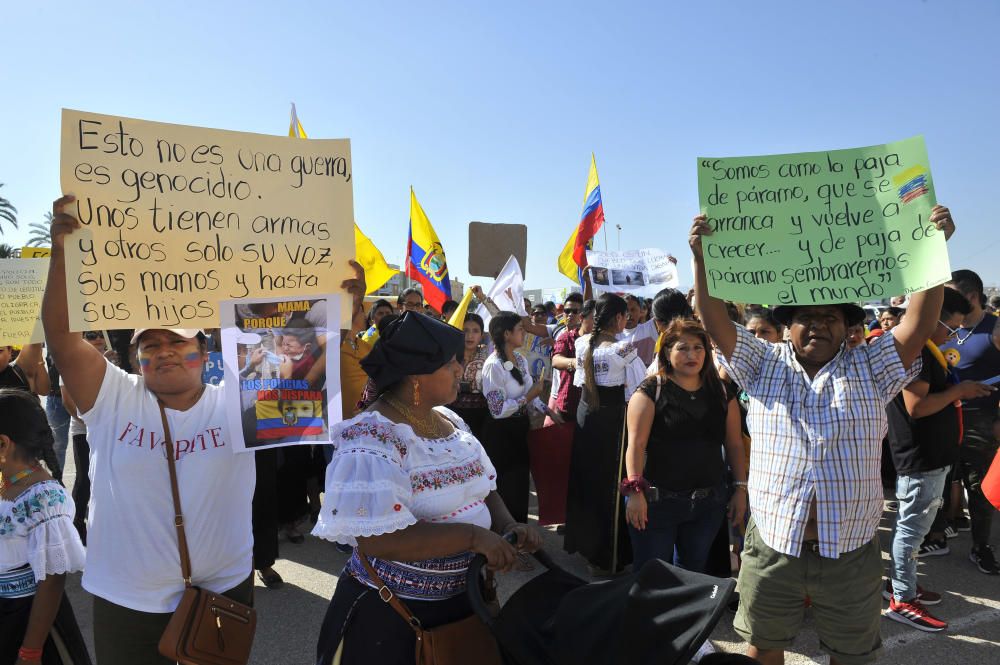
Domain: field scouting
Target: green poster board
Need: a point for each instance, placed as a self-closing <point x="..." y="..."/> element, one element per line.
<point x="822" y="227"/>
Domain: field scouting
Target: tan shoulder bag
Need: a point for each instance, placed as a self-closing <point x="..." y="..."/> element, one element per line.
<point x="451" y="644"/>
<point x="207" y="628"/>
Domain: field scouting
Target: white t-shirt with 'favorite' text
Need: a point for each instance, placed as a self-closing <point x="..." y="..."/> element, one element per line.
<point x="132" y="557"/>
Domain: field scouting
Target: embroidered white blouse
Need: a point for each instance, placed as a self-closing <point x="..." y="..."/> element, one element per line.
<point x="504" y="395"/>
<point x="383" y="478"/>
<point x="36" y="529"/>
<point x="615" y="364"/>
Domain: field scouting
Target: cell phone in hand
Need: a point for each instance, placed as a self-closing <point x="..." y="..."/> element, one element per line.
<point x="992" y="382"/>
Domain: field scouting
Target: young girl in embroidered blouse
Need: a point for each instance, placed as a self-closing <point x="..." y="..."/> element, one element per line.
<point x="510" y="393"/>
<point x="609" y="371"/>
<point x="38" y="543"/>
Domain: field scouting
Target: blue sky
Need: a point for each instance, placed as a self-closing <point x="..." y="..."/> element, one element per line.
<point x="491" y="110"/>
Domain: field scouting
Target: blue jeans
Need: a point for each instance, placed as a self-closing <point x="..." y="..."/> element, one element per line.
<point x="680" y="531"/>
<point x="919" y="496"/>
<point x="59" y="423"/>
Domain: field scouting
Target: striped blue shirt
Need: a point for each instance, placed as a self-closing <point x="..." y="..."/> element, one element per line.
<point x="817" y="439"/>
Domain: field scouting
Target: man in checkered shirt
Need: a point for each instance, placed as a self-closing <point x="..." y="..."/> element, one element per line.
<point x="817" y="420"/>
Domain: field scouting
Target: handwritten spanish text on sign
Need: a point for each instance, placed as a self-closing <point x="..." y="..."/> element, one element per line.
<point x="822" y="227"/>
<point x="177" y="218"/>
<point x="21" y="300"/>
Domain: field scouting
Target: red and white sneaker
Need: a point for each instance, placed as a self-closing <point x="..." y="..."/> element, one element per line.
<point x="923" y="595"/>
<point x="915" y="614"/>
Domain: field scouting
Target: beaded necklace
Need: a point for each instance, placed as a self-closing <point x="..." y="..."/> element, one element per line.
<point x="15" y="478"/>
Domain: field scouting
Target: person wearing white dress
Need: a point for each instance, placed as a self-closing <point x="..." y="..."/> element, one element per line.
<point x="611" y="371"/>
<point x="38" y="543"/>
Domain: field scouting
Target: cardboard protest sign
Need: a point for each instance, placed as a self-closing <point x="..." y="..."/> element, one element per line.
<point x="822" y="227"/>
<point x="177" y="218"/>
<point x="35" y="252"/>
<point x="282" y="370"/>
<point x="640" y="272"/>
<point x="21" y="301"/>
<point x="491" y="244"/>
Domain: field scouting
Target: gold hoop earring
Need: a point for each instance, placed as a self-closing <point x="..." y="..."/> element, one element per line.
<point x="416" y="393"/>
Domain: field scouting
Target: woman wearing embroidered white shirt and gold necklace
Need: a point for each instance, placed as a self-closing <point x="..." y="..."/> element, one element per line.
<point x="414" y="492"/>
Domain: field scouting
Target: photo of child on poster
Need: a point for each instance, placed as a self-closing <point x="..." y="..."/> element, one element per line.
<point x="278" y="353"/>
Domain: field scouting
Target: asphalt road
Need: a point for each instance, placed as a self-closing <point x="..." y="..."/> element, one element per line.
<point x="289" y="618"/>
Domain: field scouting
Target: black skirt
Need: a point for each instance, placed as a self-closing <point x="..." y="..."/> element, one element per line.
<point x="65" y="638"/>
<point x="372" y="632"/>
<point x="474" y="417"/>
<point x="506" y="443"/>
<point x="595" y="512"/>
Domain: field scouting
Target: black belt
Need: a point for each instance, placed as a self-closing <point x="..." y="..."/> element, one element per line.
<point x="691" y="495"/>
<point x="810" y="546"/>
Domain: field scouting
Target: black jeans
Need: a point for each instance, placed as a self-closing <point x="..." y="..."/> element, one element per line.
<point x="975" y="456"/>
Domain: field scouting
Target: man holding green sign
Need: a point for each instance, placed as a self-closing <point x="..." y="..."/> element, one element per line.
<point x="822" y="227"/>
<point x="817" y="409"/>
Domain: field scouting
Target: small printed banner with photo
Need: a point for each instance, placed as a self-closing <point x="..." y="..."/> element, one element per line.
<point x="639" y="272"/>
<point x="282" y="384"/>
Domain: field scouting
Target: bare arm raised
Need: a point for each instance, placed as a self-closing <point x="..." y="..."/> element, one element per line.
<point x="80" y="364"/>
<point x="711" y="310"/>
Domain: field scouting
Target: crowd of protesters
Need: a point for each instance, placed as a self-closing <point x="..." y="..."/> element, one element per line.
<point x="699" y="430"/>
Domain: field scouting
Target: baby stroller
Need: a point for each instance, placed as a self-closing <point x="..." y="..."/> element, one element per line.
<point x="661" y="615"/>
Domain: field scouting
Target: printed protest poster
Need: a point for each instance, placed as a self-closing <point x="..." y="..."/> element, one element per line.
<point x="538" y="354"/>
<point x="36" y="252"/>
<point x="822" y="227"/>
<point x="639" y="272"/>
<point x="281" y="364"/>
<point x="175" y="219"/>
<point x="21" y="301"/>
<point x="213" y="374"/>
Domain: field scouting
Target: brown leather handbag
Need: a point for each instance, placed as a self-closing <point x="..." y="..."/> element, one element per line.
<point x="456" y="643"/>
<point x="207" y="628"/>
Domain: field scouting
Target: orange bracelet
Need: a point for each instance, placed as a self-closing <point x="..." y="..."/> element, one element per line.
<point x="30" y="655"/>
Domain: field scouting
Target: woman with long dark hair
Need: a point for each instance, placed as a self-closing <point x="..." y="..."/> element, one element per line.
<point x="611" y="371"/>
<point x="679" y="422"/>
<point x="471" y="402"/>
<point x="38" y="543"/>
<point x="510" y="393"/>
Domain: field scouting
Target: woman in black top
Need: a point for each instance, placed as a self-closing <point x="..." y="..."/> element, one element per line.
<point x="679" y="422"/>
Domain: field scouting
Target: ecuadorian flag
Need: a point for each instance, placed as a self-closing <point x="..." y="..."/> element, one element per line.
<point x="573" y="257"/>
<point x="425" y="259"/>
<point x="280" y="420"/>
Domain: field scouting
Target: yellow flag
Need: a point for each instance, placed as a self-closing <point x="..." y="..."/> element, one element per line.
<point x="458" y="317"/>
<point x="377" y="271"/>
<point x="295" y="128"/>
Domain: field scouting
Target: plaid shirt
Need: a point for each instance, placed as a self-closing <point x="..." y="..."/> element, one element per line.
<point x="818" y="439"/>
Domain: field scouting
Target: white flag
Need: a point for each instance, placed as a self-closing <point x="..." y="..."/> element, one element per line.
<point x="507" y="292"/>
